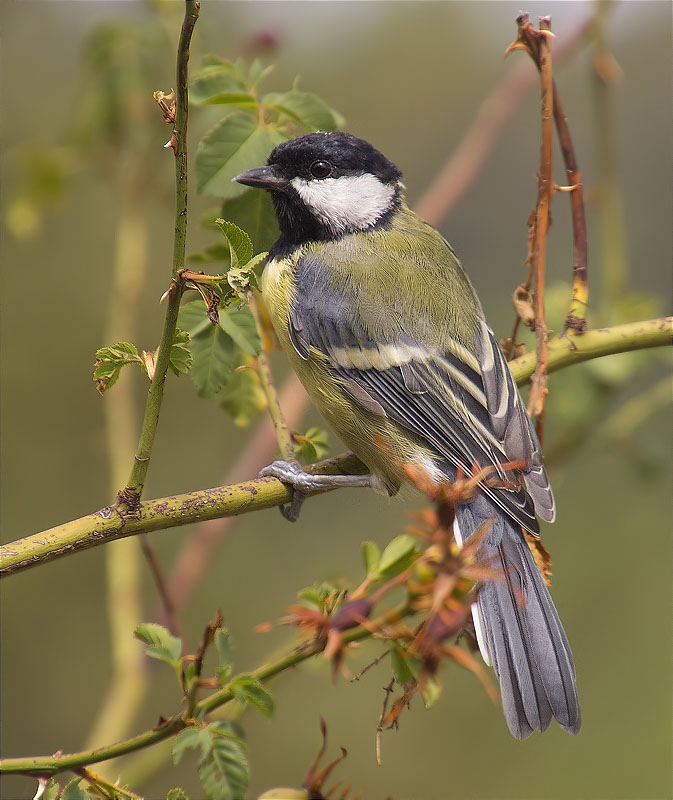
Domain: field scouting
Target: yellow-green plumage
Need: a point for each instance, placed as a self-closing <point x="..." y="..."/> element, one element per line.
<point x="406" y="279"/>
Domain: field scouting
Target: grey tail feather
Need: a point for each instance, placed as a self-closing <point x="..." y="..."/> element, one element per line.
<point x="522" y="630"/>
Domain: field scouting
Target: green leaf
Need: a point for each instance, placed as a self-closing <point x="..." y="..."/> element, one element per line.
<point x="161" y="644"/>
<point x="397" y="556"/>
<point x="406" y="668"/>
<point x="224" y="773"/>
<point x="181" y="358"/>
<point x="312" y="446"/>
<point x="258" y="72"/>
<point x="242" y="282"/>
<point x="213" y="354"/>
<point x="240" y="325"/>
<point x="253" y="211"/>
<point x="240" y="246"/>
<point x="192" y="318"/>
<point x="235" y="144"/>
<point x="430" y="689"/>
<point x="223" y="646"/>
<point x="111" y="360"/>
<point x="217" y="79"/>
<point x="228" y="728"/>
<point x="73" y="791"/>
<point x="243" y="396"/>
<point x="51" y="790"/>
<point x="176" y="794"/>
<point x="312" y="596"/>
<point x="246" y="688"/>
<point x="192" y="738"/>
<point x="371" y="555"/>
<point x="305" y="108"/>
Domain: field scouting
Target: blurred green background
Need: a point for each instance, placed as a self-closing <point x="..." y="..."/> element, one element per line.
<point x="410" y="77"/>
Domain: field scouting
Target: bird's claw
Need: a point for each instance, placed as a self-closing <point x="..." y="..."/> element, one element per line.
<point x="302" y="484"/>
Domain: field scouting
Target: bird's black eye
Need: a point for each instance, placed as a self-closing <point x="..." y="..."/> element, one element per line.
<point x="321" y="169"/>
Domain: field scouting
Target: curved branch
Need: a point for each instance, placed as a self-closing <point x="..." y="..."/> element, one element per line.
<point x="109" y="523"/>
<point x="44" y="766"/>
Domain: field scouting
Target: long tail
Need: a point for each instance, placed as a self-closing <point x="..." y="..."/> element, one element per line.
<point x="519" y="629"/>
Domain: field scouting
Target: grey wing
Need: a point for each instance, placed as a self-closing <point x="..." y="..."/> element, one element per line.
<point x="462" y="404"/>
<point x="510" y="421"/>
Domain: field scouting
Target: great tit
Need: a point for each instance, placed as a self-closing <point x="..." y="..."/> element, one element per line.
<point x="385" y="331"/>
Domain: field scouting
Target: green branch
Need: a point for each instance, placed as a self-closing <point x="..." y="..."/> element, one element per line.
<point x="109" y="523"/>
<point x="129" y="497"/>
<point x="40" y="766"/>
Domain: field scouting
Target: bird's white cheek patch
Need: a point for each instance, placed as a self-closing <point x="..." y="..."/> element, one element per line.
<point x="349" y="203"/>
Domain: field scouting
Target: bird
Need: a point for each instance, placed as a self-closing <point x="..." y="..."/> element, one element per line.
<point x="383" y="327"/>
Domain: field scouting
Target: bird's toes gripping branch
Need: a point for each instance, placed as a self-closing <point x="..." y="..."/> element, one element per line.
<point x="306" y="483"/>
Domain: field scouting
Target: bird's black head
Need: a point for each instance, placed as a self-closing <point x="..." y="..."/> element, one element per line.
<point x="326" y="185"/>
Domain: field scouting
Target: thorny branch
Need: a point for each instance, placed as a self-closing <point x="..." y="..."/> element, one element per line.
<point x="537" y="43"/>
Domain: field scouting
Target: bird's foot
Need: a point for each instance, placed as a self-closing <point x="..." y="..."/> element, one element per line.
<point x="306" y="483"/>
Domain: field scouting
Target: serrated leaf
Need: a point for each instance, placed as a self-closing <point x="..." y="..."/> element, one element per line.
<point x="51" y="790"/>
<point x="223" y="646"/>
<point x="110" y="361"/>
<point x="73" y="791"/>
<point x="181" y="357"/>
<point x="192" y="738"/>
<point x="246" y="688"/>
<point x="240" y="246"/>
<point x="228" y="728"/>
<point x="193" y="318"/>
<point x="235" y="144"/>
<point x="161" y="644"/>
<point x="176" y="794"/>
<point x="243" y="396"/>
<point x="371" y="555"/>
<point x="216" y="79"/>
<point x="305" y="108"/>
<point x="253" y="211"/>
<point x="224" y="774"/>
<point x="240" y="325"/>
<point x="397" y="556"/>
<point x="213" y="360"/>
<point x="258" y="72"/>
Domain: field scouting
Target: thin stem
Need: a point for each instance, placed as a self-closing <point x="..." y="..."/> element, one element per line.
<point x="283" y="433"/>
<point x="51" y="765"/>
<point x="224" y="501"/>
<point x="537" y="44"/>
<point x="129" y="497"/>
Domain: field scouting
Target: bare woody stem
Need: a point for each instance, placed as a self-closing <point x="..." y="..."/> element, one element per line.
<point x="109" y="524"/>
<point x="44" y="766"/>
<point x="537" y="44"/>
<point x="130" y="495"/>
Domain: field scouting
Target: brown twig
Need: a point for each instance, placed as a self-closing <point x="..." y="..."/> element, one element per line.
<point x="379" y="727"/>
<point x="537" y="44"/>
<point x="169" y="614"/>
<point x="576" y="317"/>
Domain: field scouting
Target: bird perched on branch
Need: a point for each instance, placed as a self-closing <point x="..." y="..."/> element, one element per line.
<point x="385" y="331"/>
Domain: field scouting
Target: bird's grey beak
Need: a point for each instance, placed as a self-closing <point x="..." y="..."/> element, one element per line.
<point x="262" y="178"/>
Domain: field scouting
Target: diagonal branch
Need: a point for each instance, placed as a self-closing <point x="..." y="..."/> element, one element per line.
<point x="109" y="524"/>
